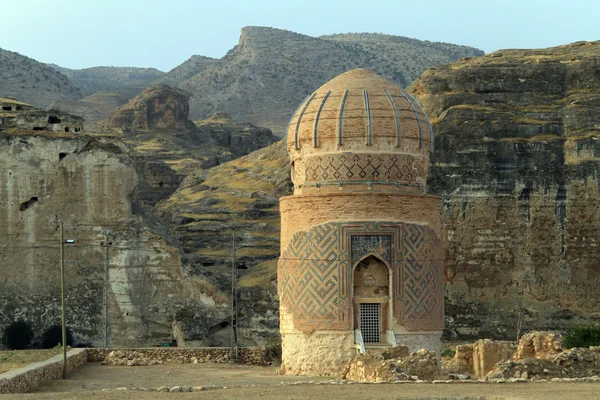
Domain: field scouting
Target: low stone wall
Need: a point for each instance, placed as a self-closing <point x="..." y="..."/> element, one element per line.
<point x="23" y="379"/>
<point x="179" y="355"/>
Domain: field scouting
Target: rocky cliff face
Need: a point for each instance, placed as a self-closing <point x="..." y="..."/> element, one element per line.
<point x="517" y="162"/>
<point x="89" y="183"/>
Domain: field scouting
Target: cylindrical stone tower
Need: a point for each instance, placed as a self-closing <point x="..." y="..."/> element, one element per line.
<point x="361" y="257"/>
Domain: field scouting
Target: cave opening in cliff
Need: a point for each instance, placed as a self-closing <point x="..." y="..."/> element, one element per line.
<point x="216" y="328"/>
<point x="52" y="119"/>
<point x="6" y="108"/>
<point x="66" y="129"/>
<point x="19" y="108"/>
<point x="26" y="204"/>
<point x="38" y="128"/>
<point x="61" y="156"/>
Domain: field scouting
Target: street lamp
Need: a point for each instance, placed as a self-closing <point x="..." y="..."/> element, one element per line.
<point x="62" y="295"/>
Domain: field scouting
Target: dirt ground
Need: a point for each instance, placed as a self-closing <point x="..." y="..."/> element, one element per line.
<point x="95" y="381"/>
<point x="13" y="359"/>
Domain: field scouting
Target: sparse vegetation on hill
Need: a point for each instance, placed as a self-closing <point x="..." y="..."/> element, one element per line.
<point x="33" y="82"/>
<point x="194" y="65"/>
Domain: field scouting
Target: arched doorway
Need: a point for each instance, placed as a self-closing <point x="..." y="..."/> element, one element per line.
<point x="371" y="299"/>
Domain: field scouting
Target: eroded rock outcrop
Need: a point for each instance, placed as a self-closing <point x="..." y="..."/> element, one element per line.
<point x="156" y="108"/>
<point x="156" y="125"/>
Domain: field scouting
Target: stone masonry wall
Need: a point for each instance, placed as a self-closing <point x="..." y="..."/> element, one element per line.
<point x="130" y="357"/>
<point x="24" y="379"/>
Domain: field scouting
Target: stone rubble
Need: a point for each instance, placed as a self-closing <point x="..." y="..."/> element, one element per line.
<point x="375" y="367"/>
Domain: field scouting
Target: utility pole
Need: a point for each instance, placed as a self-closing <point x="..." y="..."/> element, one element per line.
<point x="106" y="291"/>
<point x="62" y="299"/>
<point x="234" y="350"/>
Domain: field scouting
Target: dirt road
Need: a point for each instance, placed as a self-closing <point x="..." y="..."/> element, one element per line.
<point x="94" y="381"/>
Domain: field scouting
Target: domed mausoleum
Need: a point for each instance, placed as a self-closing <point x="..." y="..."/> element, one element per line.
<point x="361" y="257"/>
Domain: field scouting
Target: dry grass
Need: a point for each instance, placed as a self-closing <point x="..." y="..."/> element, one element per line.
<point x="538" y="138"/>
<point x="13" y="359"/>
<point x="531" y="121"/>
<point x="260" y="275"/>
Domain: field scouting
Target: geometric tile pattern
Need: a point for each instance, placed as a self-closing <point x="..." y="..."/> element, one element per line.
<point x="311" y="280"/>
<point x="422" y="269"/>
<point x="315" y="273"/>
<point x="402" y="168"/>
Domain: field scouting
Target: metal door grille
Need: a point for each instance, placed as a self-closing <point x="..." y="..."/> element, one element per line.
<point x="369" y="322"/>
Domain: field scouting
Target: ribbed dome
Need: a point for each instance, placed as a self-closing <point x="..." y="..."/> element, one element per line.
<point x="363" y="114"/>
<point x="359" y="104"/>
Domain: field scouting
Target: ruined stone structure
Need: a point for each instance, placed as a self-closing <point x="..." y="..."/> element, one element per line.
<point x="18" y="115"/>
<point x="361" y="256"/>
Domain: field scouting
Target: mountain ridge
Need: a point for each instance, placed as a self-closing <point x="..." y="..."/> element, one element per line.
<point x="269" y="71"/>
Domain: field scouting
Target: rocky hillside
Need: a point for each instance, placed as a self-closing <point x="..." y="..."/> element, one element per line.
<point x="240" y="197"/>
<point x="126" y="82"/>
<point x="33" y="82"/>
<point x="264" y="78"/>
<point x="400" y="58"/>
<point x="194" y="65"/>
<point x="156" y="125"/>
<point x="517" y="165"/>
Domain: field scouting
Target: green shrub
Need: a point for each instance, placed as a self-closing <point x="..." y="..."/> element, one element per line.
<point x="273" y="350"/>
<point x="17" y="335"/>
<point x="448" y="353"/>
<point x="583" y="336"/>
<point x="52" y="337"/>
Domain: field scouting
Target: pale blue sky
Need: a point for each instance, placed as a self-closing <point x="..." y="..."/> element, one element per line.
<point x="162" y="34"/>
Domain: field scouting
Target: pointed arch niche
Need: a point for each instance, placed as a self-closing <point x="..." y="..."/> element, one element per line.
<point x="371" y="298"/>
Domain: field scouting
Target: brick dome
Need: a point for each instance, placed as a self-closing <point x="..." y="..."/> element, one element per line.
<point x="359" y="129"/>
